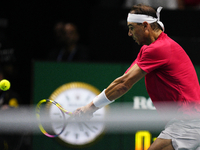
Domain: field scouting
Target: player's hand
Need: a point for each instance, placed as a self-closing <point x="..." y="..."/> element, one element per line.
<point x="85" y="112"/>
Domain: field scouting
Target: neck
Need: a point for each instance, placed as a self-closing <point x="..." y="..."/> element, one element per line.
<point x="154" y="35"/>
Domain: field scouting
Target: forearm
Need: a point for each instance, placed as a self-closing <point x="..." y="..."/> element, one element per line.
<point x="119" y="86"/>
<point x="124" y="83"/>
<point x="116" y="89"/>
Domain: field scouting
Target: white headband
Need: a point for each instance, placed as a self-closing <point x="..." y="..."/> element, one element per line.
<point x="138" y="18"/>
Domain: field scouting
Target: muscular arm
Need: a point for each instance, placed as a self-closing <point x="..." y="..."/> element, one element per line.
<point x="124" y="83"/>
<point x="116" y="89"/>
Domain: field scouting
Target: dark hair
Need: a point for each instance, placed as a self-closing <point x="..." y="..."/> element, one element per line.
<point x="146" y="10"/>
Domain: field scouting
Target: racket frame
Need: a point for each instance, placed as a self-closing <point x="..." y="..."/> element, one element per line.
<point x="63" y="111"/>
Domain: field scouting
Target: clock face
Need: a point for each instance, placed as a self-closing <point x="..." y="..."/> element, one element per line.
<point x="72" y="96"/>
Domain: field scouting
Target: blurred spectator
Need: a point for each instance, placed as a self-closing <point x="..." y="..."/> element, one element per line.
<point x="166" y="4"/>
<point x="188" y="4"/>
<point x="67" y="47"/>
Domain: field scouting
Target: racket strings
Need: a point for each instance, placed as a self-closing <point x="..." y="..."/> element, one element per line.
<point x="39" y="115"/>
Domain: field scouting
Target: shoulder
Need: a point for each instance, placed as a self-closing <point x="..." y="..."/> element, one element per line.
<point x="156" y="50"/>
<point x="163" y="45"/>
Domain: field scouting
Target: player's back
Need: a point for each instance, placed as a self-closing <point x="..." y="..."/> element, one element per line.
<point x="176" y="79"/>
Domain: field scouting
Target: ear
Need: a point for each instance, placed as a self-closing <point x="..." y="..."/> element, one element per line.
<point x="145" y="24"/>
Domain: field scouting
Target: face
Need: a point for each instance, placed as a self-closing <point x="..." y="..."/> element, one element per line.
<point x="137" y="32"/>
<point x="71" y="34"/>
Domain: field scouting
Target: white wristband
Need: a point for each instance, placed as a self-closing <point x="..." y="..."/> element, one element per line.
<point x="101" y="100"/>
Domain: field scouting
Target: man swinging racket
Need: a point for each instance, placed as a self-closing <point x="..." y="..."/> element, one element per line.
<point x="170" y="78"/>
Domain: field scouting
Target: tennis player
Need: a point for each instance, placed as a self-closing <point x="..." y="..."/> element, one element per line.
<point x="170" y="77"/>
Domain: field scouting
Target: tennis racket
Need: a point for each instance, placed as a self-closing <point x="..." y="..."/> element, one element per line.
<point x="39" y="113"/>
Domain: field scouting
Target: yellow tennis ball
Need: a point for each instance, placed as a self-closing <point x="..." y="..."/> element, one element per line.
<point x="4" y="85"/>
